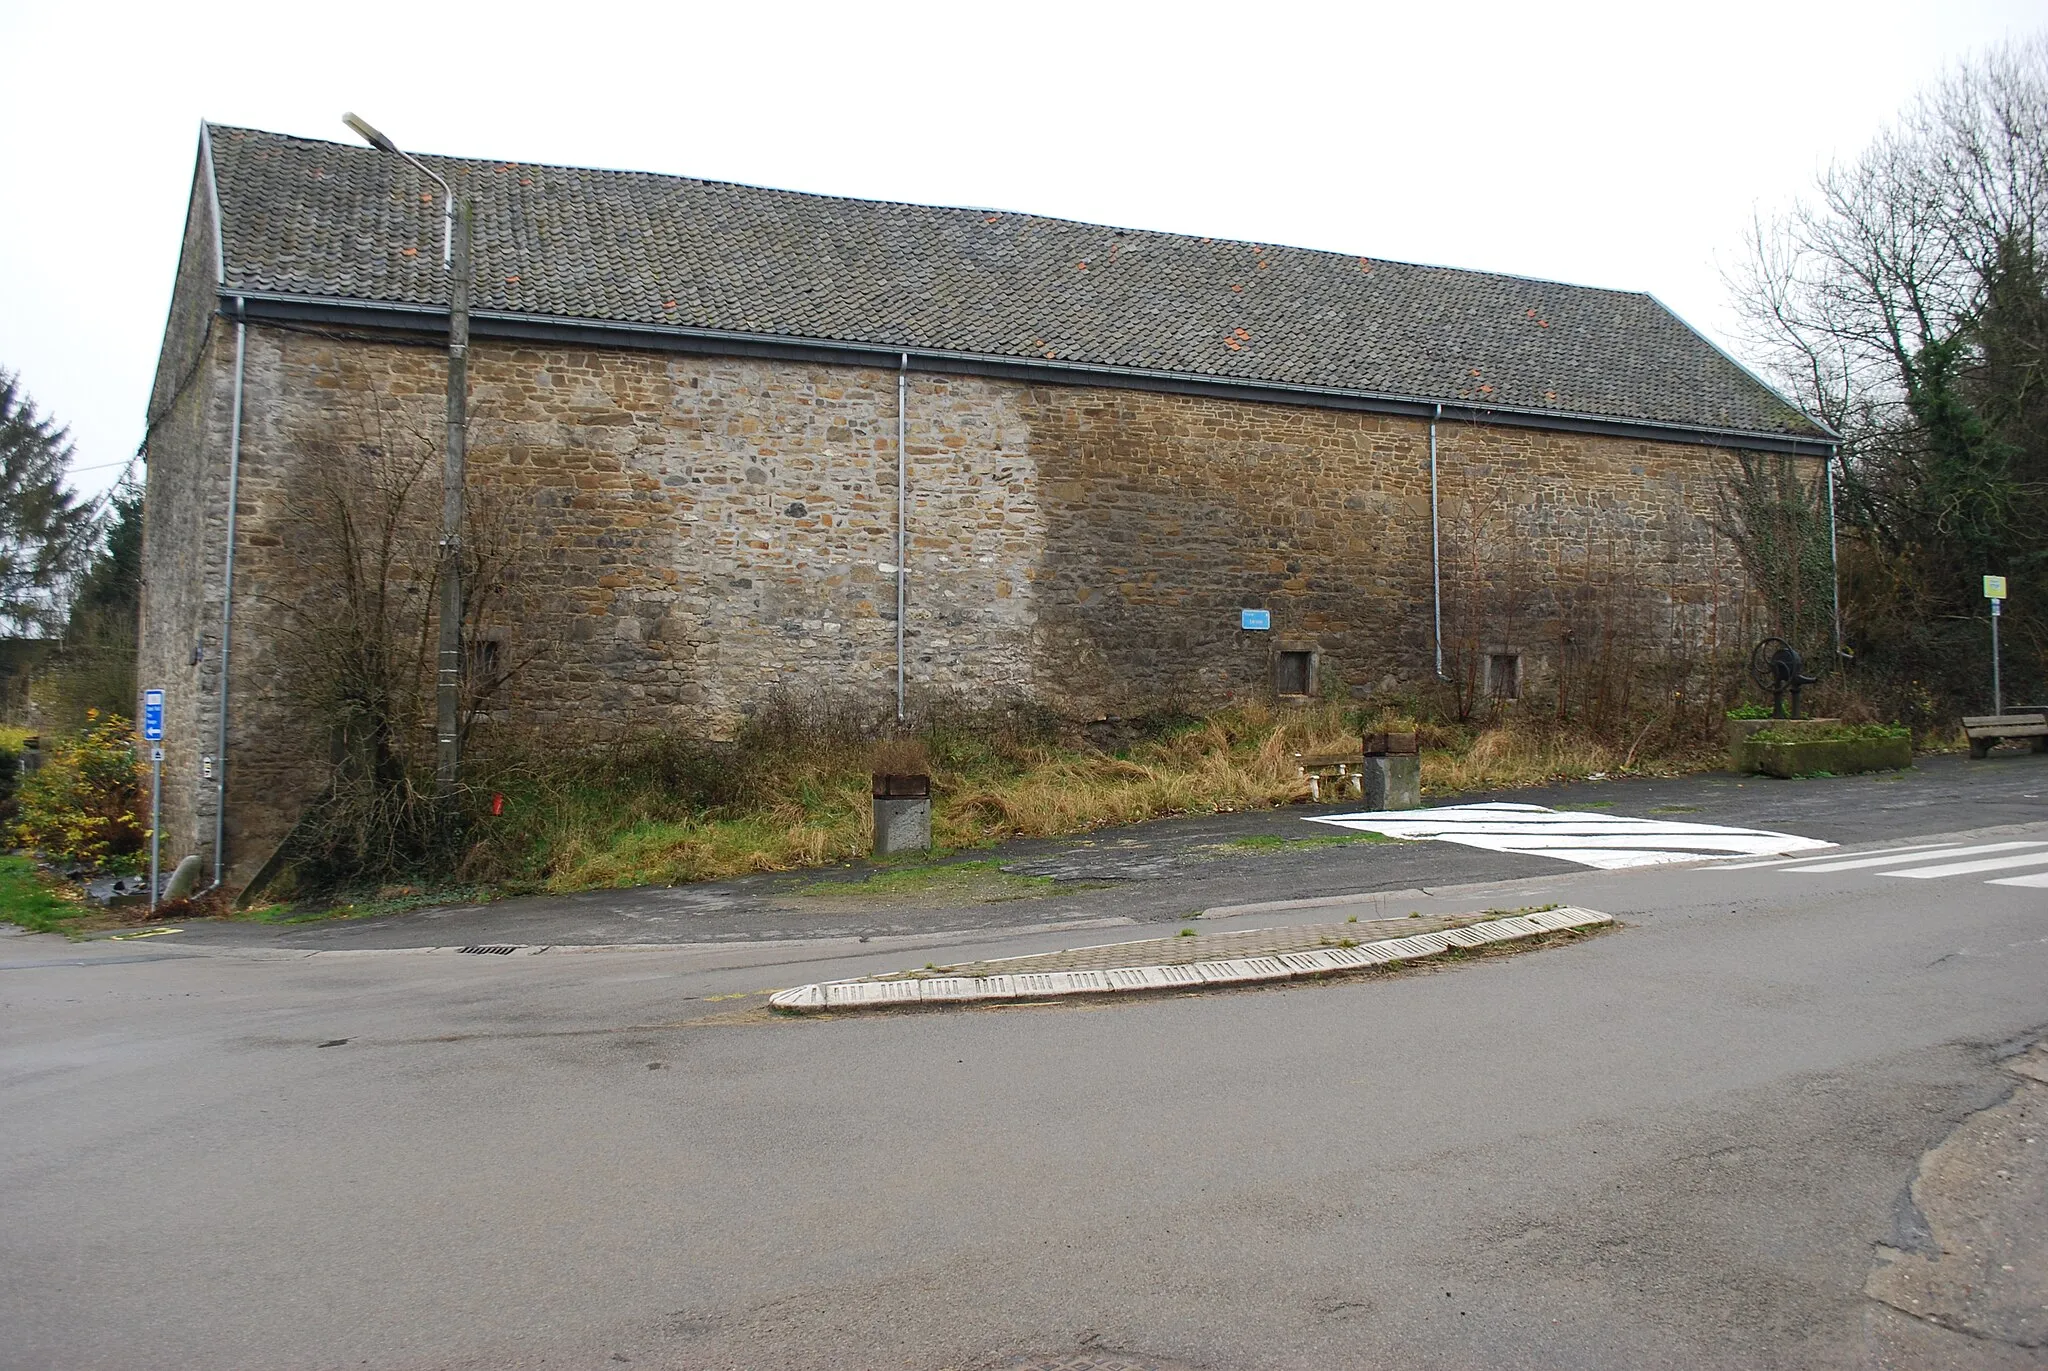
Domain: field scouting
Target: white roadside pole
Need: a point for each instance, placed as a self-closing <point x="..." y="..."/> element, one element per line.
<point x="1994" y="591"/>
<point x="153" y="734"/>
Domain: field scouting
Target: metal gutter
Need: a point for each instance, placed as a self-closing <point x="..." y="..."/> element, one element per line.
<point x="1436" y="563"/>
<point x="657" y="337"/>
<point x="902" y="520"/>
<point x="227" y="607"/>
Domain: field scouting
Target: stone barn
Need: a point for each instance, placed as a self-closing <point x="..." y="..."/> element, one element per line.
<point x="1137" y="469"/>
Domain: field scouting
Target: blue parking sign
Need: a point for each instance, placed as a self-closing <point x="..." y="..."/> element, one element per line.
<point x="152" y="716"/>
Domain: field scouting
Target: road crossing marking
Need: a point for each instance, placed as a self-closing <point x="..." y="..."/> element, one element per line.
<point x="1609" y="842"/>
<point x="2037" y="880"/>
<point x="1799" y="863"/>
<point x="1923" y="862"/>
<point x="1972" y="868"/>
<point x="1895" y="858"/>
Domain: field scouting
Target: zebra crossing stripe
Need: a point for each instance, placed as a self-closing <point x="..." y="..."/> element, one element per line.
<point x="2037" y="880"/>
<point x="1607" y="842"/>
<point x="1972" y="868"/>
<point x="1898" y="856"/>
<point x="1799" y="863"/>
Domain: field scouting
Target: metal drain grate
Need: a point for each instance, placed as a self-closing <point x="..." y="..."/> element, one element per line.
<point x="490" y="951"/>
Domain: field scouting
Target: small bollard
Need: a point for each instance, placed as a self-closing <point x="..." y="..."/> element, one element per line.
<point x="1393" y="772"/>
<point x="903" y="814"/>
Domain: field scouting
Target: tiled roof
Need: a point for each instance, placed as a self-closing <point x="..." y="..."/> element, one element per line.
<point x="346" y="222"/>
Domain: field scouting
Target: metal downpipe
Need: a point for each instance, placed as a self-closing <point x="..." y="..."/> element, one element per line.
<point x="902" y="522"/>
<point x="227" y="602"/>
<point x="1436" y="565"/>
<point x="1834" y="554"/>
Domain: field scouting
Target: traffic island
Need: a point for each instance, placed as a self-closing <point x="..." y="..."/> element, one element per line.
<point x="1192" y="961"/>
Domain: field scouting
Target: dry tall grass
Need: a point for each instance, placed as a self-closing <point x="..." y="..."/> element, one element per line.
<point x="792" y="798"/>
<point x="1509" y="758"/>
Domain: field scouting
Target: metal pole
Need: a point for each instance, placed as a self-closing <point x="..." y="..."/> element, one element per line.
<point x="1834" y="554"/>
<point x="902" y="522"/>
<point x="448" y="682"/>
<point x="1997" y="690"/>
<point x="227" y="603"/>
<point x="156" y="809"/>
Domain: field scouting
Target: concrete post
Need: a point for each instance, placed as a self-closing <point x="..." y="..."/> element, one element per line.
<point x="903" y="814"/>
<point x="1393" y="781"/>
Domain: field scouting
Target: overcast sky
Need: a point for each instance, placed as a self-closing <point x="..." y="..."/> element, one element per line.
<point x="1611" y="145"/>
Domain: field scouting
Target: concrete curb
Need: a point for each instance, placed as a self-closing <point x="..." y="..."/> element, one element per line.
<point x="872" y="994"/>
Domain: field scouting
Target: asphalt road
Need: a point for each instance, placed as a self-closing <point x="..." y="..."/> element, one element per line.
<point x="1692" y="1142"/>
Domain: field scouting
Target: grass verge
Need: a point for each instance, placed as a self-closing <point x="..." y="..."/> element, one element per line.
<point x="1273" y="842"/>
<point x="32" y="902"/>
<point x="981" y="882"/>
<point x="392" y="900"/>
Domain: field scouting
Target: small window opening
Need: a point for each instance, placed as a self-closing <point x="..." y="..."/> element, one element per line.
<point x="1294" y="673"/>
<point x="483" y="661"/>
<point x="1504" y="675"/>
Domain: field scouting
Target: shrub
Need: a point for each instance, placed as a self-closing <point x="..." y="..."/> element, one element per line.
<point x="83" y="804"/>
<point x="11" y="740"/>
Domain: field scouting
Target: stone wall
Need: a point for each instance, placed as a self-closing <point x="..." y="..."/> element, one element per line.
<point x="1169" y="514"/>
<point x="184" y="524"/>
<point x="682" y="537"/>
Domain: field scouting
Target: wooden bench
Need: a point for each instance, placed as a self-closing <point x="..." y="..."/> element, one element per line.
<point x="1344" y="770"/>
<point x="1989" y="730"/>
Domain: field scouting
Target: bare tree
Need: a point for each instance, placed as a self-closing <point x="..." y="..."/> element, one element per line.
<point x="358" y="633"/>
<point x="1906" y="303"/>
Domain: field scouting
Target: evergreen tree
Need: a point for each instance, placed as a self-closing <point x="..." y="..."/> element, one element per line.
<point x="113" y="581"/>
<point x="45" y="534"/>
<point x="94" y="668"/>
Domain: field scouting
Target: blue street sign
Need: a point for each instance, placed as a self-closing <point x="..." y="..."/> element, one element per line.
<point x="152" y="716"/>
<point x="1255" y="618"/>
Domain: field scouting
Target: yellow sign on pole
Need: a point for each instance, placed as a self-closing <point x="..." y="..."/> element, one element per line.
<point x="1994" y="587"/>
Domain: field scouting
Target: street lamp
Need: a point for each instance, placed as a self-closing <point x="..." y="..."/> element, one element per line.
<point x="448" y="674"/>
<point x="383" y="144"/>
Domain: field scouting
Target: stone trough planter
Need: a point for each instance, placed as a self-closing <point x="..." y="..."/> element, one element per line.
<point x="1742" y="756"/>
<point x="1836" y="756"/>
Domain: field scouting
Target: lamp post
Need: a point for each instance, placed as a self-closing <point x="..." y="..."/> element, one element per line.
<point x="455" y="250"/>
